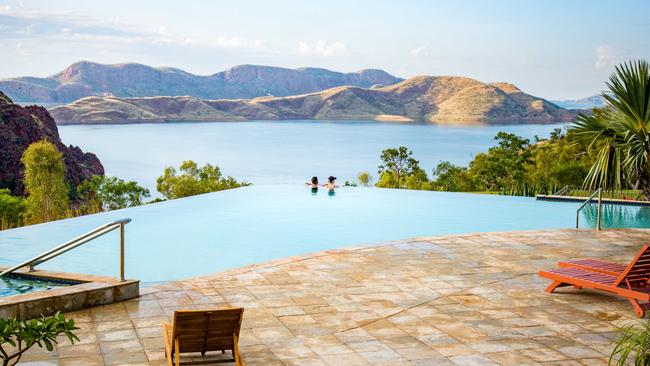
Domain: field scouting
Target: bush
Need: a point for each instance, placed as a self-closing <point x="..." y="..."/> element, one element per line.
<point x="12" y="209"/>
<point x="194" y="180"/>
<point x="635" y="341"/>
<point x="365" y="179"/>
<point x="17" y="336"/>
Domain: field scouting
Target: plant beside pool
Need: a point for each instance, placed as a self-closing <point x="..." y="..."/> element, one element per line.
<point x="18" y="336"/>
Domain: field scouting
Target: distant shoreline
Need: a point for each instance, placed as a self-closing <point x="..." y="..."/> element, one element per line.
<point x="337" y="121"/>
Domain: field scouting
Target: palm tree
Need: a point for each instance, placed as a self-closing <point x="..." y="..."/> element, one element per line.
<point x="619" y="133"/>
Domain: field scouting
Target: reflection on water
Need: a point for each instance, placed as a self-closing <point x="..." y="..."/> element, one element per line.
<point x="617" y="216"/>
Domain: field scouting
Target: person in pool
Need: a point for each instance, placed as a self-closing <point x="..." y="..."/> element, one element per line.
<point x="330" y="185"/>
<point x="313" y="184"/>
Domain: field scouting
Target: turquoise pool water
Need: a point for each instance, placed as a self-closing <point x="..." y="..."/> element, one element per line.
<point x="217" y="231"/>
<point x="16" y="285"/>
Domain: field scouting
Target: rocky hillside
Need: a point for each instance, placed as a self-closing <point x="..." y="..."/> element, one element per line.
<point x="21" y="126"/>
<point x="84" y="79"/>
<point x="424" y="98"/>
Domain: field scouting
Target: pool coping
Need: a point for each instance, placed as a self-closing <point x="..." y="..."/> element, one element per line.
<point x="87" y="291"/>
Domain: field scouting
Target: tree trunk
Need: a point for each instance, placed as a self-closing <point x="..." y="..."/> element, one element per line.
<point x="644" y="183"/>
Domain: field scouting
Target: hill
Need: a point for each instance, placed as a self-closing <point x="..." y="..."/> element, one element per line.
<point x="85" y="78"/>
<point x="21" y="126"/>
<point x="584" y="103"/>
<point x="441" y="99"/>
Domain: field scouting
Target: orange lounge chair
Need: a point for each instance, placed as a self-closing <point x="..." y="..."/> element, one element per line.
<point x="203" y="331"/>
<point x="631" y="283"/>
<point x="595" y="265"/>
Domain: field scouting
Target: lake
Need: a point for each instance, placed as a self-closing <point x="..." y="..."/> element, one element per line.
<point x="284" y="152"/>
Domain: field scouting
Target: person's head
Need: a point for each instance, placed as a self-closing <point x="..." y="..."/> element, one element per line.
<point x="331" y="179"/>
<point x="314" y="180"/>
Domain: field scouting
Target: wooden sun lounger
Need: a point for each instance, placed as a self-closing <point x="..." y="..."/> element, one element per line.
<point x="595" y="265"/>
<point x="203" y="331"/>
<point x="631" y="282"/>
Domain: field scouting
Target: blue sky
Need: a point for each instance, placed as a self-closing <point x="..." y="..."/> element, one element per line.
<point x="554" y="49"/>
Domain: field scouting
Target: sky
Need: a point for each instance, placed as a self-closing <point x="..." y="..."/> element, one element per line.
<point x="556" y="49"/>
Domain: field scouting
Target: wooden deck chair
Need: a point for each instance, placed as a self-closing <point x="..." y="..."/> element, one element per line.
<point x="631" y="283"/>
<point x="203" y="331"/>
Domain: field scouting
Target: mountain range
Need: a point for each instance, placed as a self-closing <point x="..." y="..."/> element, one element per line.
<point x="442" y="99"/>
<point x="86" y="78"/>
<point x="594" y="101"/>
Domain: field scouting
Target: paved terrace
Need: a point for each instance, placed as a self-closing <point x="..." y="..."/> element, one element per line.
<point x="454" y="300"/>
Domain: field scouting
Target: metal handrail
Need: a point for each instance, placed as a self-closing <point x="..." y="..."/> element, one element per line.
<point x="598" y="192"/>
<point x="562" y="191"/>
<point x="71" y="244"/>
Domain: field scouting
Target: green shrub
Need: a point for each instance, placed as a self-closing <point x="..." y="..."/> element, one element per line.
<point x="17" y="336"/>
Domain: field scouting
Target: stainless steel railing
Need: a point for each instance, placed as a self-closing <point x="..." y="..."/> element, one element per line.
<point x="71" y="244"/>
<point x="562" y="191"/>
<point x="598" y="192"/>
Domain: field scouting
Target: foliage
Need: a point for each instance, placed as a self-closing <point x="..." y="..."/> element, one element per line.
<point x="110" y="193"/>
<point x="44" y="179"/>
<point x="502" y="167"/>
<point x="397" y="165"/>
<point x="365" y="179"/>
<point x="17" y="336"/>
<point x="514" y="166"/>
<point x="12" y="209"/>
<point x="194" y="180"/>
<point x="349" y="184"/>
<point x="619" y="133"/>
<point x="454" y="178"/>
<point x="635" y="341"/>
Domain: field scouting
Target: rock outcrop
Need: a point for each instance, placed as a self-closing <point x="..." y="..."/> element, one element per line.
<point x="21" y="126"/>
<point x="85" y="78"/>
<point x="453" y="100"/>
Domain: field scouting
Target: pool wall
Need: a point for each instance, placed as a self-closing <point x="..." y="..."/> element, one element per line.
<point x="85" y="291"/>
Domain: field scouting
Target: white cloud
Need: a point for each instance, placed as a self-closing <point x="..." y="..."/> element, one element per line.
<point x="321" y="48"/>
<point x="238" y="42"/>
<point x="418" y="51"/>
<point x="606" y="57"/>
<point x="162" y="30"/>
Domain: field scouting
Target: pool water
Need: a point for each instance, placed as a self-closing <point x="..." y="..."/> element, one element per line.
<point x="222" y="230"/>
<point x="16" y="285"/>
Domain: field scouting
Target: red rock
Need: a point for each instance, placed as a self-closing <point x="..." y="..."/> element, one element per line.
<point x="21" y="126"/>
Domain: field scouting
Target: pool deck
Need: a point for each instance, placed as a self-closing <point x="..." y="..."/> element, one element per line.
<point x="471" y="299"/>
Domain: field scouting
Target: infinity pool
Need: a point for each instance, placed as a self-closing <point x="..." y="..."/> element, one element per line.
<point x="217" y="231"/>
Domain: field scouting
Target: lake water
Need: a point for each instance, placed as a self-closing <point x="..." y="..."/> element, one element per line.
<point x="279" y="152"/>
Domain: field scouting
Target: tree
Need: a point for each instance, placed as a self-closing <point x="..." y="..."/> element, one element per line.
<point x="502" y="167"/>
<point x="44" y="179"/>
<point x="397" y="164"/>
<point x="21" y="335"/>
<point x="452" y="178"/>
<point x="110" y="193"/>
<point x="365" y="179"/>
<point x="12" y="209"/>
<point x="194" y="180"/>
<point x="620" y="132"/>
<point x="557" y="162"/>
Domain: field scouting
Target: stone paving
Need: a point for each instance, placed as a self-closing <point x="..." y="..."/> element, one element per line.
<point x="471" y="299"/>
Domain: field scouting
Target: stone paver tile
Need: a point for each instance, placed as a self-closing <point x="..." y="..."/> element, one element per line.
<point x="473" y="360"/>
<point x="543" y="354"/>
<point x="88" y="360"/>
<point x="512" y="358"/>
